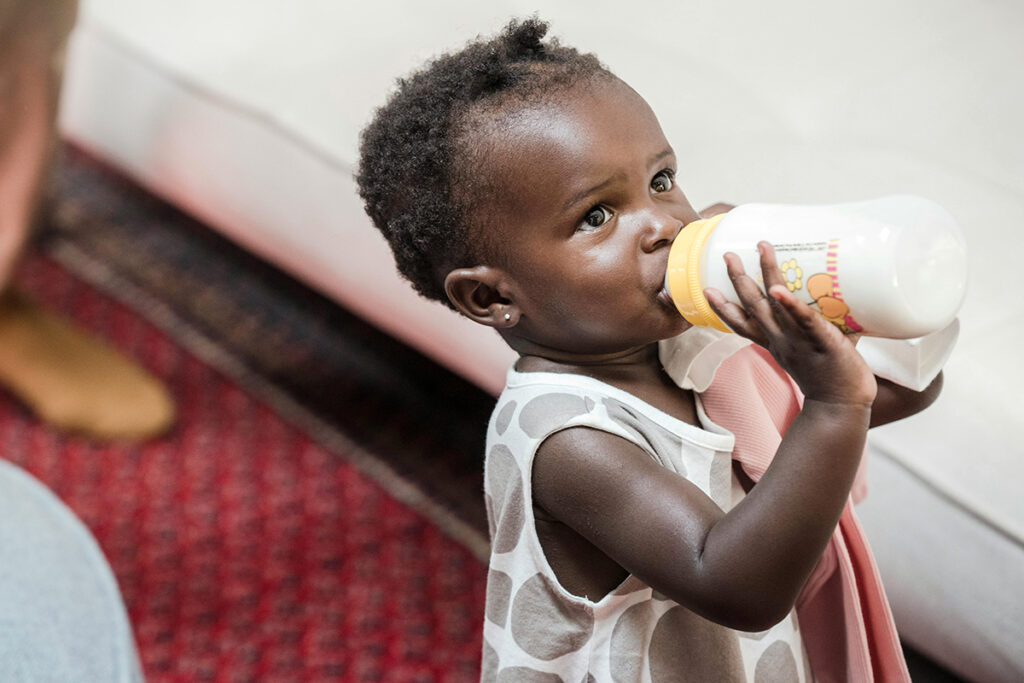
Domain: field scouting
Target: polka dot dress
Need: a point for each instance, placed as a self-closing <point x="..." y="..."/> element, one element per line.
<point x="535" y="630"/>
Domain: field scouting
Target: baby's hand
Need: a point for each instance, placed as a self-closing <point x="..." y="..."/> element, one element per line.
<point x="814" y="352"/>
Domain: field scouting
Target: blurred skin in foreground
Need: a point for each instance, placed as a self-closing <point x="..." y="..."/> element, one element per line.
<point x="68" y="379"/>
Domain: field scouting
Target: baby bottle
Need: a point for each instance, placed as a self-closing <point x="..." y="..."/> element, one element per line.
<point x="893" y="267"/>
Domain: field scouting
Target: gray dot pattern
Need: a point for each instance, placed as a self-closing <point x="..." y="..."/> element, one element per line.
<point x="499" y="596"/>
<point x="523" y="674"/>
<point x="565" y="628"/>
<point x="708" y="652"/>
<point x="504" y="417"/>
<point x="542" y="414"/>
<point x="658" y="440"/>
<point x="488" y="663"/>
<point x="492" y="524"/>
<point x="628" y="643"/>
<point x="506" y="490"/>
<point x="534" y="630"/>
<point x="776" y="665"/>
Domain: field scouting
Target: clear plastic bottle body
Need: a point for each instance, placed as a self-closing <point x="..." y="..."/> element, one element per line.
<point x="892" y="267"/>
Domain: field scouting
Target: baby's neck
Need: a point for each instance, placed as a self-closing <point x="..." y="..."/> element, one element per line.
<point x="632" y="362"/>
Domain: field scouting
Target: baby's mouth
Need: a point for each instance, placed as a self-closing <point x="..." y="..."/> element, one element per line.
<point x="665" y="298"/>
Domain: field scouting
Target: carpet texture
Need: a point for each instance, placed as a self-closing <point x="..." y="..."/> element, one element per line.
<point x="259" y="540"/>
<point x="427" y="424"/>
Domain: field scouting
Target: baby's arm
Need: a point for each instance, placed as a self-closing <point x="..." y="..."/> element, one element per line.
<point x="895" y="402"/>
<point x="744" y="568"/>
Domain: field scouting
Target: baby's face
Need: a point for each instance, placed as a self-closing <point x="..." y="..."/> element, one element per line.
<point x="588" y="211"/>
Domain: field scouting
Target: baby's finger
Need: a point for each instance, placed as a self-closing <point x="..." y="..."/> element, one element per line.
<point x="803" y="316"/>
<point x="772" y="276"/>
<point x="752" y="298"/>
<point x="735" y="317"/>
<point x="770" y="269"/>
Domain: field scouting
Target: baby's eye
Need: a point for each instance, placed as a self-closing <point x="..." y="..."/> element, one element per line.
<point x="595" y="218"/>
<point x="663" y="182"/>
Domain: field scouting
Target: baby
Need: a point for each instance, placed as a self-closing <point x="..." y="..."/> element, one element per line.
<point x="665" y="504"/>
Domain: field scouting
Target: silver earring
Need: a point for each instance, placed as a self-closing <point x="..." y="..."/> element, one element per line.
<point x="508" y="316"/>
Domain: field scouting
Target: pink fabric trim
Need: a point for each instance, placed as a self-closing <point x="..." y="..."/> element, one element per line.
<point x="871" y="650"/>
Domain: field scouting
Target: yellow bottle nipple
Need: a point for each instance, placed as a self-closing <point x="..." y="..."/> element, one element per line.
<point x="683" y="276"/>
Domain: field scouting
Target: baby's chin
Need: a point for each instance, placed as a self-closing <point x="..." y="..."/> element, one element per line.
<point x="679" y="324"/>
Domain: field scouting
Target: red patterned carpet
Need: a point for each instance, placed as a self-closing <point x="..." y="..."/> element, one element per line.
<point x="245" y="550"/>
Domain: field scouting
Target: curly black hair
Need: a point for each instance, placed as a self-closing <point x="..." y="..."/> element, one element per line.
<point x="415" y="154"/>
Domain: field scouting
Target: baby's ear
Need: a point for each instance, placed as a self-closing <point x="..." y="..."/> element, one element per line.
<point x="478" y="293"/>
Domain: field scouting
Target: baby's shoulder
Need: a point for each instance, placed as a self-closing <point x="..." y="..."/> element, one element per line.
<point x="531" y="410"/>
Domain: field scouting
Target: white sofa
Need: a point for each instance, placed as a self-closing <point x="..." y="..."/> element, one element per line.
<point x="247" y="112"/>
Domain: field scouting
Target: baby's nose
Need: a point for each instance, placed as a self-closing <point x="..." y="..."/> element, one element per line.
<point x="660" y="230"/>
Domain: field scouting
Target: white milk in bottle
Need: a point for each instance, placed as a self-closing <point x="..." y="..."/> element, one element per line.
<point x="893" y="267"/>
